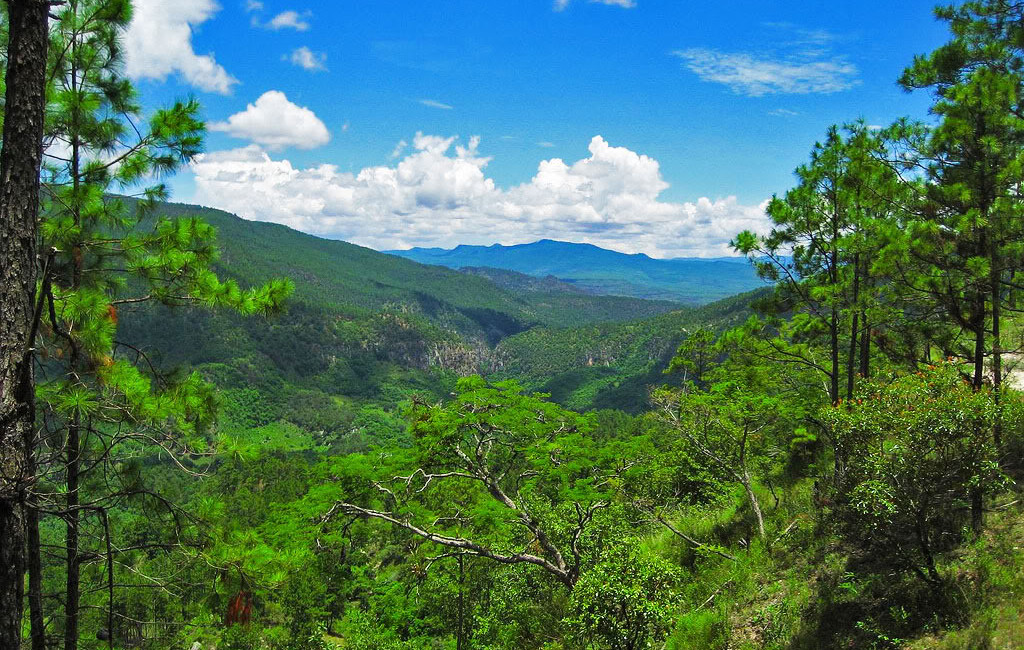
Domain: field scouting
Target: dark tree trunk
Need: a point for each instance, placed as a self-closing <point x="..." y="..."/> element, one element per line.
<point x="851" y="357"/>
<point x="865" y="326"/>
<point x="73" y="588"/>
<point x="997" y="350"/>
<point x="35" y="582"/>
<point x="978" y="325"/>
<point x="20" y="159"/>
<point x="833" y="386"/>
<point x="865" y="345"/>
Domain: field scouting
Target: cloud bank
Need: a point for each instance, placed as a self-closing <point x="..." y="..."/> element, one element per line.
<point x="439" y="195"/>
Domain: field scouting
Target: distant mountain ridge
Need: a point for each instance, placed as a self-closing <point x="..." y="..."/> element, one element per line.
<point x="602" y="271"/>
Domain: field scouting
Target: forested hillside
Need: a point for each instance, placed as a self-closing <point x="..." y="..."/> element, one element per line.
<point x="364" y="331"/>
<point x="222" y="434"/>
<point x="338" y="275"/>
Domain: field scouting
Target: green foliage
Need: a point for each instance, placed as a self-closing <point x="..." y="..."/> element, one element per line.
<point x="241" y="637"/>
<point x="700" y="629"/>
<point x="610" y="366"/>
<point x="367" y="497"/>
<point x="913" y="453"/>
<point x="628" y="601"/>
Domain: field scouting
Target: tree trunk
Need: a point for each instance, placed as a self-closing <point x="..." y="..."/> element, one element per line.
<point x="73" y="586"/>
<point x="35" y="582"/>
<point x="997" y="352"/>
<point x="978" y="326"/>
<point x="865" y="327"/>
<point x="851" y="357"/>
<point x="977" y="495"/>
<point x="73" y="451"/>
<point x="754" y="504"/>
<point x="865" y="345"/>
<point x="833" y="387"/>
<point x="20" y="160"/>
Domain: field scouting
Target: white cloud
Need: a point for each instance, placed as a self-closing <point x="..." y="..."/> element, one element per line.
<point x="307" y="59"/>
<point x="399" y="149"/>
<point x="276" y="123"/>
<point x="158" y="43"/>
<point x="433" y="103"/>
<point x="560" y="5"/>
<point x="439" y="194"/>
<point x="745" y="74"/>
<point x="290" y="20"/>
<point x="253" y="5"/>
<point x="783" y="112"/>
<point x="545" y="144"/>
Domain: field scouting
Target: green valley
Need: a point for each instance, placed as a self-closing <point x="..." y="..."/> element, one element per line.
<point x="223" y="433"/>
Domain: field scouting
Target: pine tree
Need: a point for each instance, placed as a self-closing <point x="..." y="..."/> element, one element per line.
<point x="817" y="254"/>
<point x="971" y="240"/>
<point x="106" y="254"/>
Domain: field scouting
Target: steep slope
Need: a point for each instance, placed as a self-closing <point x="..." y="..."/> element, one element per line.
<point x="338" y="275"/>
<point x="611" y="365"/>
<point x="597" y="270"/>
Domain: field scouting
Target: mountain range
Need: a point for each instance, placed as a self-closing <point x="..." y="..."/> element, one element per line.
<point x="596" y="270"/>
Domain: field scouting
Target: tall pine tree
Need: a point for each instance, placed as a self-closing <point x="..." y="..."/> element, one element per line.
<point x="106" y="253"/>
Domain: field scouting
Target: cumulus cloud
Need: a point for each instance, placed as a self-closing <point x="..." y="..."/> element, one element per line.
<point x="560" y="5"/>
<point x="275" y="123"/>
<point x="808" y="72"/>
<point x="307" y="59"/>
<point x="158" y="43"/>
<point x="290" y="20"/>
<point x="439" y="194"/>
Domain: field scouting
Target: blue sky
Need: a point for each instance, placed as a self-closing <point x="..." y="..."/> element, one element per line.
<point x="649" y="126"/>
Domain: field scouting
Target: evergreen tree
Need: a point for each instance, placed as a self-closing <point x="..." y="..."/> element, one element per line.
<point x="101" y="400"/>
<point x="818" y="256"/>
<point x="971" y="239"/>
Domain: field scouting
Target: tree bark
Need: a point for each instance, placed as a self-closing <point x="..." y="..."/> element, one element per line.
<point x="865" y="345"/>
<point x="852" y="352"/>
<point x="35" y="582"/>
<point x="73" y="585"/>
<point x="833" y="386"/>
<point x="20" y="159"/>
<point x="997" y="350"/>
<point x="755" y="505"/>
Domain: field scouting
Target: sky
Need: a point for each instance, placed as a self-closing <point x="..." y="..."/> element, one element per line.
<point x="644" y="126"/>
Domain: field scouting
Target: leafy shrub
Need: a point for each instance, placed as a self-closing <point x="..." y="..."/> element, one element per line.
<point x="626" y="601"/>
<point x="913" y="458"/>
